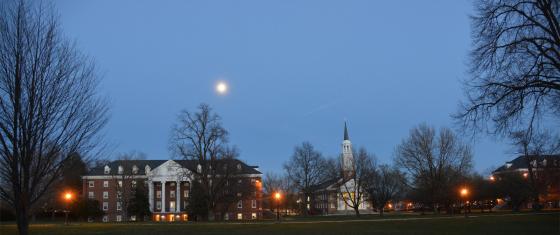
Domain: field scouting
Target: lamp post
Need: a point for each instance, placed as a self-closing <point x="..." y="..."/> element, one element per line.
<point x="277" y="196"/>
<point x="68" y="198"/>
<point x="464" y="194"/>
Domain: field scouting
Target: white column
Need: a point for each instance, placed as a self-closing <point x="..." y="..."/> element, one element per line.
<point x="162" y="196"/>
<point x="151" y="194"/>
<point x="178" y="197"/>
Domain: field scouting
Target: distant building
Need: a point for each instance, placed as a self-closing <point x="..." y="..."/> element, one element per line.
<point x="543" y="166"/>
<point x="168" y="184"/>
<point x="328" y="196"/>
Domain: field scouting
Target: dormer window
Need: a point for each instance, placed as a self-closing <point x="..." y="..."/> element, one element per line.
<point x="199" y="168"/>
<point x="147" y="169"/>
<point x="508" y="165"/>
<point x="544" y="162"/>
<point x="107" y="170"/>
<point x="134" y="169"/>
<point x="121" y="170"/>
<point x="238" y="166"/>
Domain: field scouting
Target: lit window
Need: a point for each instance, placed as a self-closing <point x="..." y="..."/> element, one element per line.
<point x="132" y="218"/>
<point x="186" y="193"/>
<point x="105" y="184"/>
<point x="239" y="216"/>
<point x="240" y="204"/>
<point x="253" y="215"/>
<point x="91" y="184"/>
<point x="120" y="183"/>
<point x="158" y="205"/>
<point x="90" y="195"/>
<point x="158" y="194"/>
<point x="105" y="195"/>
<point x="119" y="218"/>
<point x="105" y="206"/>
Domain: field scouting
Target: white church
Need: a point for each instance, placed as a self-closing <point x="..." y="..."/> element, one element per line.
<point x="337" y="196"/>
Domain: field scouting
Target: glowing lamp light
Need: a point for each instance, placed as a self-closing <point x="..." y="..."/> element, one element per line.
<point x="525" y="174"/>
<point x="277" y="196"/>
<point x="68" y="196"/>
<point x="464" y="192"/>
<point x="492" y="178"/>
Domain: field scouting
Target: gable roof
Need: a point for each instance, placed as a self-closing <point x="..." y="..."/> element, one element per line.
<point x="141" y="164"/>
<point x="522" y="162"/>
<point x="327" y="183"/>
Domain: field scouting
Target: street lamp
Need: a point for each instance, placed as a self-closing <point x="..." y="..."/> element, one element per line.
<point x="277" y="196"/>
<point x="68" y="198"/>
<point x="464" y="194"/>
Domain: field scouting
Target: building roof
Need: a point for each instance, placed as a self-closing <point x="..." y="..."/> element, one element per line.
<point x="327" y="183"/>
<point x="522" y="162"/>
<point x="141" y="164"/>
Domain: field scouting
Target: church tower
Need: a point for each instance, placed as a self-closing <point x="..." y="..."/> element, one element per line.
<point x="347" y="157"/>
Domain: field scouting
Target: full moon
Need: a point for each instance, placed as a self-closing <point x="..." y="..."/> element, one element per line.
<point x="221" y="87"/>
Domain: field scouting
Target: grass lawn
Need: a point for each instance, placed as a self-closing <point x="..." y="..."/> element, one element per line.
<point x="534" y="224"/>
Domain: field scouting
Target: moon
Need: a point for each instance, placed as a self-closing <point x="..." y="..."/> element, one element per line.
<point x="221" y="87"/>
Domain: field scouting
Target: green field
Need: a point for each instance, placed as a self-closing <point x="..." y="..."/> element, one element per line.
<point x="535" y="224"/>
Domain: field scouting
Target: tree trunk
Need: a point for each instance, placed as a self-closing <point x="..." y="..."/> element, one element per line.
<point x="357" y="211"/>
<point x="22" y="216"/>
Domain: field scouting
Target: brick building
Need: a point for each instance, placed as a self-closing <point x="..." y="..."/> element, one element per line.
<point x="167" y="184"/>
<point x="546" y="170"/>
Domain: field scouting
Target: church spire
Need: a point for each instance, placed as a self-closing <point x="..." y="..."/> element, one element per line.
<point x="347" y="158"/>
<point x="346" y="132"/>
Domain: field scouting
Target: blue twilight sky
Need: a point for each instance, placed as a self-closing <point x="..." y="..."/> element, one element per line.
<point x="296" y="70"/>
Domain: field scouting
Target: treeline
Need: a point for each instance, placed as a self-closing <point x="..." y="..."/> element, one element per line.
<point x="429" y="168"/>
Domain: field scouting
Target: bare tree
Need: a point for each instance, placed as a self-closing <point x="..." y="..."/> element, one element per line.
<point x="200" y="137"/>
<point x="385" y="184"/>
<point x="125" y="180"/>
<point x="49" y="105"/>
<point x="515" y="65"/>
<point x="273" y="183"/>
<point x="305" y="170"/>
<point x="436" y="163"/>
<point x="353" y="189"/>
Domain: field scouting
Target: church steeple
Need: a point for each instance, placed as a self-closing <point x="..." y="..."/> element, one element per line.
<point x="347" y="156"/>
<point x="346" y="132"/>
